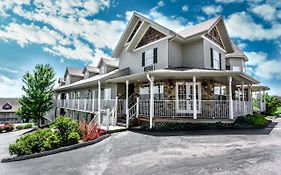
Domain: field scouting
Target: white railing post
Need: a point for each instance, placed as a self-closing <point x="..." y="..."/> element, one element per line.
<point x="250" y="98"/>
<point x="194" y="98"/>
<point x="138" y="109"/>
<point x="230" y="98"/>
<point x="107" y="119"/>
<point x="127" y="104"/>
<point x="78" y="103"/>
<point x="99" y="102"/>
<point x="85" y="104"/>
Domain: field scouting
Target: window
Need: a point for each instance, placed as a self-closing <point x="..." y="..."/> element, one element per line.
<point x="107" y="94"/>
<point x="158" y="90"/>
<point x="7" y="106"/>
<point x="149" y="57"/>
<point x="215" y="59"/>
<point x="103" y="69"/>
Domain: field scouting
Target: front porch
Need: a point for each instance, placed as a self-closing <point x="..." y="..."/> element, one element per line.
<point x="197" y="96"/>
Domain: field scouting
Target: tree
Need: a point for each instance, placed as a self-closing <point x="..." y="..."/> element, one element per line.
<point x="38" y="97"/>
<point x="272" y="103"/>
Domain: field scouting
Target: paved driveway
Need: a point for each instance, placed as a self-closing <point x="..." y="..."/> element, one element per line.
<point x="207" y="152"/>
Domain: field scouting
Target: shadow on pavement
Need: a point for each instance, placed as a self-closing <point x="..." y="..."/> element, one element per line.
<point x="262" y="131"/>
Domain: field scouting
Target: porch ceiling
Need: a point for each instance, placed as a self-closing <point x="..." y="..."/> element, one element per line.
<point x="201" y="74"/>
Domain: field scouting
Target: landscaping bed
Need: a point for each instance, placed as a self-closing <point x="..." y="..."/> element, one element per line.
<point x="254" y="121"/>
<point x="63" y="132"/>
<point x="7" y="127"/>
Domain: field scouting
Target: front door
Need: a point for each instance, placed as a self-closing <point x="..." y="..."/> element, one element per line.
<point x="184" y="97"/>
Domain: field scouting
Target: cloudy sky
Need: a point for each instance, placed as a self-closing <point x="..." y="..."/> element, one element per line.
<point x="78" y="32"/>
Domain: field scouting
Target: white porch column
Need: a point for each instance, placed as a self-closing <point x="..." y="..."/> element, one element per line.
<point x="127" y="104"/>
<point x="250" y="98"/>
<point x="99" y="102"/>
<point x="115" y="111"/>
<point x="138" y="107"/>
<point x="194" y="98"/>
<point x="243" y="99"/>
<point x="230" y="98"/>
<point x="93" y="100"/>
<point x="78" y="101"/>
<point x="151" y="102"/>
<point x="260" y="95"/>
<point x="264" y="101"/>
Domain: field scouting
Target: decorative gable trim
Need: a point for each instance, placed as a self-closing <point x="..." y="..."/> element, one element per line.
<point x="150" y="36"/>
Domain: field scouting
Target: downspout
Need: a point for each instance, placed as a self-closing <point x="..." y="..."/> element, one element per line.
<point x="151" y="114"/>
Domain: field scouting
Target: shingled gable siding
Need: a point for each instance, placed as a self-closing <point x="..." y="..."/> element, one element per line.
<point x="193" y="54"/>
<point x="133" y="59"/>
<point x="175" y="54"/>
<point x="207" y="56"/>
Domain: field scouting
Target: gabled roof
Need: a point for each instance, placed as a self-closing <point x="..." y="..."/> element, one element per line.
<point x="185" y="35"/>
<point x="237" y="53"/>
<point x="73" y="72"/>
<point x="61" y="79"/>
<point x="109" y="62"/>
<point x="91" y="69"/>
<point x="12" y="102"/>
<point x="145" y="24"/>
<point x="199" y="28"/>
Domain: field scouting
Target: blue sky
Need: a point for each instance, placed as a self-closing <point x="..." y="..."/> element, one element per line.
<point x="78" y="32"/>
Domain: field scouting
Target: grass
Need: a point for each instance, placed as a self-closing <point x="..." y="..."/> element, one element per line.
<point x="278" y="110"/>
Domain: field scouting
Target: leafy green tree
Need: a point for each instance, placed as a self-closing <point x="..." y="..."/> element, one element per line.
<point x="38" y="97"/>
<point x="272" y="103"/>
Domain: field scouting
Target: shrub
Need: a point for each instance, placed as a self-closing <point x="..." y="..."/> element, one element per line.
<point x="19" y="127"/>
<point x="64" y="126"/>
<point x="37" y="141"/>
<point x="256" y="120"/>
<point x="73" y="138"/>
<point x="28" y="125"/>
<point x="1" y="129"/>
<point x="8" y="127"/>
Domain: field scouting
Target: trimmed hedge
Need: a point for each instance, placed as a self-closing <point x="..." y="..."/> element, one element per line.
<point x="255" y="120"/>
<point x="19" y="127"/>
<point x="28" y="125"/>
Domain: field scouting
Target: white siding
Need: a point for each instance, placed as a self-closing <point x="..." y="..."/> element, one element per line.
<point x="192" y="54"/>
<point x="133" y="59"/>
<point x="175" y="54"/>
<point x="207" y="60"/>
<point x="235" y="62"/>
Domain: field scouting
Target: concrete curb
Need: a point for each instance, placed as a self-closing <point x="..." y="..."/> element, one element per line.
<point x="62" y="149"/>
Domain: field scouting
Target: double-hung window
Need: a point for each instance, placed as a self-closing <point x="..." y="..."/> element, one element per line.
<point x="149" y="57"/>
<point x="158" y="91"/>
<point x="215" y="59"/>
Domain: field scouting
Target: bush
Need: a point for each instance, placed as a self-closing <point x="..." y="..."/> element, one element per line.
<point x="35" y="142"/>
<point x="73" y="138"/>
<point x="9" y="127"/>
<point x="1" y="129"/>
<point x="64" y="126"/>
<point x="256" y="120"/>
<point x="28" y="125"/>
<point x="19" y="127"/>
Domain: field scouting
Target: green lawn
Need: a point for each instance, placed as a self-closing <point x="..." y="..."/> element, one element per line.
<point x="278" y="110"/>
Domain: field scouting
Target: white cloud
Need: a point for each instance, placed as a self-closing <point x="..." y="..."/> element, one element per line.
<point x="185" y="8"/>
<point x="262" y="67"/>
<point x="171" y="22"/>
<point x="242" y="25"/>
<point x="10" y="86"/>
<point x="212" y="10"/>
<point x="267" y="12"/>
<point x="160" y="4"/>
<point x="7" y="69"/>
<point x="24" y="34"/>
<point x="8" y="4"/>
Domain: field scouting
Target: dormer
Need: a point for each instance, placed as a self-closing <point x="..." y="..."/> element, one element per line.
<point x="73" y="75"/>
<point x="61" y="81"/>
<point x="90" y="71"/>
<point x="7" y="106"/>
<point x="107" y="65"/>
<point x="236" y="60"/>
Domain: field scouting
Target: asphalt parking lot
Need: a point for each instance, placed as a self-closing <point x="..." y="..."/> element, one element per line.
<point x="201" y="152"/>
